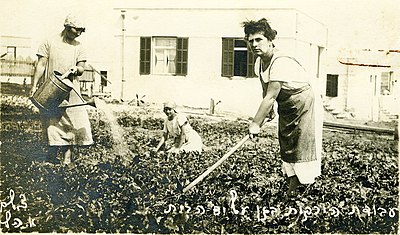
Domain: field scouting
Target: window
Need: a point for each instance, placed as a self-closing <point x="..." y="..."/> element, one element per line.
<point x="12" y="52"/>
<point x="332" y="85"/>
<point x="103" y="80"/>
<point x="237" y="59"/>
<point x="163" y="55"/>
<point x="103" y="77"/>
<point x="386" y="83"/>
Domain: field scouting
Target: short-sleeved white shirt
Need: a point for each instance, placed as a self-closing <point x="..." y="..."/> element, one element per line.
<point x="283" y="69"/>
<point x="61" y="56"/>
<point x="173" y="127"/>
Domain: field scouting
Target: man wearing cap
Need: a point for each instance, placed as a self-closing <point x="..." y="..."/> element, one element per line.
<point x="71" y="127"/>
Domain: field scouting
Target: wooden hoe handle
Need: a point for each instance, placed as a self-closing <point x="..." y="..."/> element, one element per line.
<point x="219" y="162"/>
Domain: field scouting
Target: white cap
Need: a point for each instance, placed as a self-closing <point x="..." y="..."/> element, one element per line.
<point x="74" y="21"/>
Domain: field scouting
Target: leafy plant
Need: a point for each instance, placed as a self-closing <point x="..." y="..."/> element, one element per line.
<point x="101" y="194"/>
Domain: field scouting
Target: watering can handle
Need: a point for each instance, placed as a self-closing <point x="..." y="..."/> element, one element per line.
<point x="65" y="76"/>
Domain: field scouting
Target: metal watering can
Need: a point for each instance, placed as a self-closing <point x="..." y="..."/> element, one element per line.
<point x="49" y="96"/>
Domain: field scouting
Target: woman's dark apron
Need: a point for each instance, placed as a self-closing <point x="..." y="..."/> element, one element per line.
<point x="296" y="128"/>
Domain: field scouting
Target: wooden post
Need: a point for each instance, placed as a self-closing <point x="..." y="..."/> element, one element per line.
<point x="212" y="106"/>
<point x="396" y="130"/>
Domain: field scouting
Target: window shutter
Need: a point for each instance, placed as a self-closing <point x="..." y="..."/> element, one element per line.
<point x="335" y="86"/>
<point x="145" y="53"/>
<point x="227" y="57"/>
<point x="181" y="56"/>
<point x="251" y="58"/>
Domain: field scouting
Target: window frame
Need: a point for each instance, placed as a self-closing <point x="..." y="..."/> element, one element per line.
<point x="228" y="58"/>
<point x="165" y="52"/>
<point x="388" y="83"/>
<point x="13" y="53"/>
<point x="147" y="52"/>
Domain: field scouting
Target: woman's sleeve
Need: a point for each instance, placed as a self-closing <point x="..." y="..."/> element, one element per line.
<point x="44" y="49"/>
<point x="181" y="119"/>
<point x="81" y="57"/>
<point x="285" y="70"/>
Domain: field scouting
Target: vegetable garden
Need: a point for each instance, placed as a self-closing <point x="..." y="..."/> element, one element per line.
<point x="141" y="192"/>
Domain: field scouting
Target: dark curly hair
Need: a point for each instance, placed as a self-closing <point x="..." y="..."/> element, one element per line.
<point x="252" y="27"/>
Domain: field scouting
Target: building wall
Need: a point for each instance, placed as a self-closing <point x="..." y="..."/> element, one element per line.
<point x="22" y="44"/>
<point x="359" y="93"/>
<point x="205" y="29"/>
<point x="339" y="103"/>
<point x="205" y="26"/>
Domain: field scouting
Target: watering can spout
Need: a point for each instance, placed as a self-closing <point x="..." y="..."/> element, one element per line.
<point x="92" y="102"/>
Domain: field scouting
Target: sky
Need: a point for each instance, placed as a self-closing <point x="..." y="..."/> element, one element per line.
<point x="360" y="24"/>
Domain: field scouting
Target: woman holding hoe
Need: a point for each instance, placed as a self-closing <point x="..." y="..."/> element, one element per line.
<point x="285" y="81"/>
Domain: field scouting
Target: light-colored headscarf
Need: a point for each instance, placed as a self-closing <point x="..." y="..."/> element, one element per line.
<point x="74" y="21"/>
<point x="170" y="104"/>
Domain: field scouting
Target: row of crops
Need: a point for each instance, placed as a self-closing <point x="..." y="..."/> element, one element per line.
<point x="141" y="192"/>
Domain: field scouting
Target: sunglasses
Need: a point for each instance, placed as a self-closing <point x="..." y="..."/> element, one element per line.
<point x="79" y="30"/>
<point x="166" y="109"/>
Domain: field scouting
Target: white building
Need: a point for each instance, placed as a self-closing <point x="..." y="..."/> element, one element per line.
<point x="191" y="55"/>
<point x="192" y="51"/>
<point x="364" y="84"/>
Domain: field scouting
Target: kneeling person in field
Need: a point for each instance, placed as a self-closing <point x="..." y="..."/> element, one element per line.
<point x="177" y="127"/>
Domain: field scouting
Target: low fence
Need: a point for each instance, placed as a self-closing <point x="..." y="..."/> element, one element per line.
<point x="17" y="68"/>
<point x="21" y="69"/>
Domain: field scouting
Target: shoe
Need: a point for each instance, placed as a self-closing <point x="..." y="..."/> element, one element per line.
<point x="67" y="161"/>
